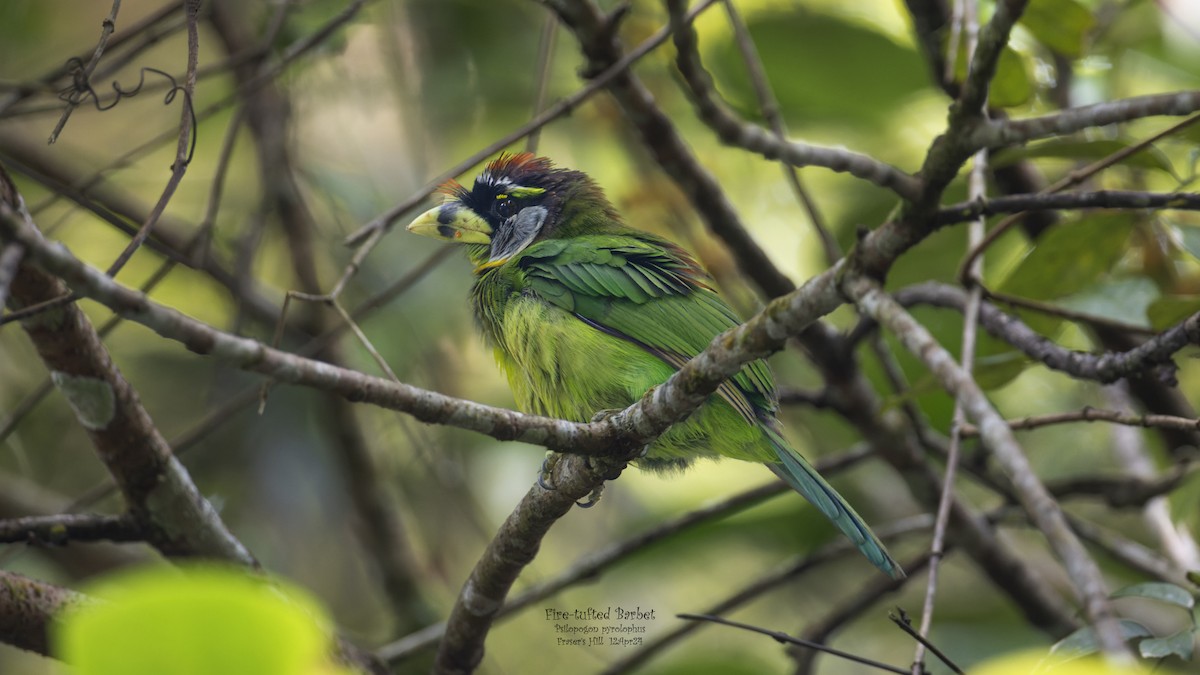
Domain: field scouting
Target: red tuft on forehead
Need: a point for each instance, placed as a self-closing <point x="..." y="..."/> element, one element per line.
<point x="454" y="189"/>
<point x="520" y="163"/>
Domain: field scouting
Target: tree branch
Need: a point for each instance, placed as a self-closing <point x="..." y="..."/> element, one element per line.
<point x="513" y="547"/>
<point x="75" y="527"/>
<point x="157" y="488"/>
<point x="737" y="132"/>
<point x="597" y="37"/>
<point x="27" y="607"/>
<point x="1002" y="133"/>
<point x="986" y="57"/>
<point x="1039" y="504"/>
<point x="1063" y="201"/>
<point x="1141" y="361"/>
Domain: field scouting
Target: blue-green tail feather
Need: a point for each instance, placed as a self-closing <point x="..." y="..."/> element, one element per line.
<point x="797" y="472"/>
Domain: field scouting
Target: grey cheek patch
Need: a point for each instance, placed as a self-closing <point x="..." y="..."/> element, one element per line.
<point x="517" y="232"/>
<point x="447" y="213"/>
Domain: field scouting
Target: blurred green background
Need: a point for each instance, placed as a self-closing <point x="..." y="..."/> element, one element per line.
<point x="407" y="90"/>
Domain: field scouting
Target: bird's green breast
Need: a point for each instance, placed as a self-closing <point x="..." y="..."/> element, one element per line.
<point x="559" y="366"/>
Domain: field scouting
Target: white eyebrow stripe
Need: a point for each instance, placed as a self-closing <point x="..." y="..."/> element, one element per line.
<point x="496" y="181"/>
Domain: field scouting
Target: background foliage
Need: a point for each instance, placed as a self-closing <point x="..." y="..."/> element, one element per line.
<point x="401" y="92"/>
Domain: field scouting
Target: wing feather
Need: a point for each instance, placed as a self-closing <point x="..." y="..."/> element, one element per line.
<point x="649" y="292"/>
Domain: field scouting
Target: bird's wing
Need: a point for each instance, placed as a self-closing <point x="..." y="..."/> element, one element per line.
<point x="649" y="292"/>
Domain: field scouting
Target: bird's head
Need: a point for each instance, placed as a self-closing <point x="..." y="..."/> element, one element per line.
<point x="516" y="201"/>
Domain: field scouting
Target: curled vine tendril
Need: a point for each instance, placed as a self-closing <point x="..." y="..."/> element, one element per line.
<point x="81" y="90"/>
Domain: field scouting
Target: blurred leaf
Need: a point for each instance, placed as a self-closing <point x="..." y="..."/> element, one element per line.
<point x="468" y="56"/>
<point x="1171" y="309"/>
<point x="197" y="621"/>
<point x="24" y="24"/>
<point x="1189" y="239"/>
<point x="1157" y="590"/>
<point x="996" y="370"/>
<point x="1090" y="150"/>
<point x="1180" y="644"/>
<point x="795" y="47"/>
<point x="1037" y="662"/>
<point x="1012" y="84"/>
<point x="1070" y="257"/>
<point x="1127" y="300"/>
<point x="1083" y="641"/>
<point x="1061" y="25"/>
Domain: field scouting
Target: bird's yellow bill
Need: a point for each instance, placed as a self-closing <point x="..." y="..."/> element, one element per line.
<point x="452" y="222"/>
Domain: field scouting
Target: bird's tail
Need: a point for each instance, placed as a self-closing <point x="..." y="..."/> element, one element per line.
<point x="798" y="473"/>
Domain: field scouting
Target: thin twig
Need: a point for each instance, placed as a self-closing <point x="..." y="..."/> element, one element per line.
<point x="754" y="138"/>
<point x="977" y="190"/>
<point x="593" y="565"/>
<point x="1090" y="414"/>
<point x="1155" y="353"/>
<point x="918" y="668"/>
<point x="1070" y="180"/>
<point x="60" y="529"/>
<point x="1037" y="501"/>
<point x="367" y="233"/>
<point x="1002" y="133"/>
<point x="184" y="145"/>
<point x="81" y="77"/>
<point x="545" y="60"/>
<point x="768" y="103"/>
<point x="846" y="610"/>
<point x="1129" y="447"/>
<point x="766" y="583"/>
<point x="782" y="637"/>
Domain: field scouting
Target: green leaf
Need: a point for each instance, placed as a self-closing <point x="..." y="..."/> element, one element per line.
<point x="1157" y="590"/>
<point x="1061" y="25"/>
<point x="194" y="621"/>
<point x="1127" y="300"/>
<point x="1083" y="641"/>
<point x="1180" y="644"/>
<point x="1089" y="150"/>
<point x="1171" y="309"/>
<point x="1011" y="86"/>
<point x="799" y="35"/>
<point x="1188" y="238"/>
<point x="1071" y="257"/>
<point x="996" y="370"/>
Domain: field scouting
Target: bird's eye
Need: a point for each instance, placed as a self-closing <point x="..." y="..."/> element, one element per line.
<point x="505" y="208"/>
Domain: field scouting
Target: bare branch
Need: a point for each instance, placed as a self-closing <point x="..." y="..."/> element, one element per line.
<point x="1043" y="510"/>
<point x="845" y="611"/>
<point x="614" y="71"/>
<point x="1002" y="133"/>
<point x="769" y="105"/>
<point x="754" y="138"/>
<point x="1065" y="201"/>
<point x="597" y="38"/>
<point x="85" y="71"/>
<point x="63" y="528"/>
<point x="972" y="100"/>
<point x="27" y="607"/>
<point x="1090" y="414"/>
<point x="764" y="584"/>
<point x="782" y="637"/>
<point x="183" y="146"/>
<point x="1154" y="354"/>
<point x="513" y="547"/>
<point x="159" y="492"/>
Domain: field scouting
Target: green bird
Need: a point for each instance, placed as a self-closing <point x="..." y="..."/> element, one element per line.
<point x="586" y="314"/>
